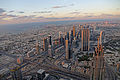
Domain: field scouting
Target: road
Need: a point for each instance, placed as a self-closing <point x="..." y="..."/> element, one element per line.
<point x="109" y="73"/>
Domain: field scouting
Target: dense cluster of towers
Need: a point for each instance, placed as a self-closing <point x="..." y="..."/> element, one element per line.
<point x="98" y="70"/>
<point x="69" y="40"/>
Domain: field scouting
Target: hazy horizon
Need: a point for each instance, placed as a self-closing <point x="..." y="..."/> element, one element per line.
<point x="28" y="11"/>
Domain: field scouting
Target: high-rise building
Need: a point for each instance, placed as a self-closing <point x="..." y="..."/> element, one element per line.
<point x="71" y="36"/>
<point x="45" y="44"/>
<point x="50" y="50"/>
<point x="67" y="49"/>
<point x="74" y="31"/>
<point x="49" y="40"/>
<point x="80" y="31"/>
<point x="85" y="39"/>
<point x="74" y="44"/>
<point x="101" y="37"/>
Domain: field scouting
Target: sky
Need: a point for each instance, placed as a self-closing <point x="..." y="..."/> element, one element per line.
<point x="27" y="11"/>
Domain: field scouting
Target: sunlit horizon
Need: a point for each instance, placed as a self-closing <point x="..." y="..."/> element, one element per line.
<point x="25" y="11"/>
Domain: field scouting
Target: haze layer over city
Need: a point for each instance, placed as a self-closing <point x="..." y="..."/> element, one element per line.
<point x="59" y="39"/>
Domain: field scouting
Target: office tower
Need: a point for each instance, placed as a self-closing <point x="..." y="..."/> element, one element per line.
<point x="80" y="27"/>
<point x="85" y="39"/>
<point x="67" y="49"/>
<point x="67" y="35"/>
<point x="77" y="35"/>
<point x="50" y="46"/>
<point x="50" y="51"/>
<point x="74" y="44"/>
<point x="74" y="31"/>
<point x="100" y="37"/>
<point x="40" y="74"/>
<point x="80" y="30"/>
<point x="49" y="40"/>
<point x="16" y="73"/>
<point x="45" y="44"/>
<point x="98" y="44"/>
<point x="71" y="36"/>
<point x="37" y="48"/>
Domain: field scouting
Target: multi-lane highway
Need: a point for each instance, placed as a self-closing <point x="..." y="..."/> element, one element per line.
<point x="109" y="73"/>
<point x="49" y="67"/>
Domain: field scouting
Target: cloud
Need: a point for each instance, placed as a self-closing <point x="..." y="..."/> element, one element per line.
<point x="58" y="6"/>
<point x="107" y="15"/>
<point x="2" y="10"/>
<point x="11" y="15"/>
<point x="74" y="12"/>
<point x="62" y="6"/>
<point x="21" y="12"/>
<point x="40" y="17"/>
<point x="11" y="11"/>
<point x="60" y="18"/>
<point x="89" y="16"/>
<point x="71" y="5"/>
<point x="117" y="8"/>
<point x="43" y="12"/>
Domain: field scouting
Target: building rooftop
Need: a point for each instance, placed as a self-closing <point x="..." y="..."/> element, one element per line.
<point x="40" y="71"/>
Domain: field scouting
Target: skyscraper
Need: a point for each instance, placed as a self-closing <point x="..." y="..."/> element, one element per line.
<point x="74" y="31"/>
<point x="45" y="44"/>
<point x="71" y="36"/>
<point x="80" y="30"/>
<point x="100" y="37"/>
<point x="67" y="49"/>
<point x="50" y="50"/>
<point x="49" y="40"/>
<point x="85" y="39"/>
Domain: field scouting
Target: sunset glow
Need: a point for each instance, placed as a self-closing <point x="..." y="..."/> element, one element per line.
<point x="24" y="11"/>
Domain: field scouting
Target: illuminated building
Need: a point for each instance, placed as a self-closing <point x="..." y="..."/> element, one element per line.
<point x="85" y="40"/>
<point x="74" y="31"/>
<point x="67" y="49"/>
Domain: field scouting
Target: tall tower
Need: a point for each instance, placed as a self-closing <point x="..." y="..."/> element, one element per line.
<point x="49" y="40"/>
<point x="85" y="40"/>
<point x="100" y="37"/>
<point x="67" y="49"/>
<point x="50" y="50"/>
<point x="45" y="44"/>
<point x="74" y="31"/>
